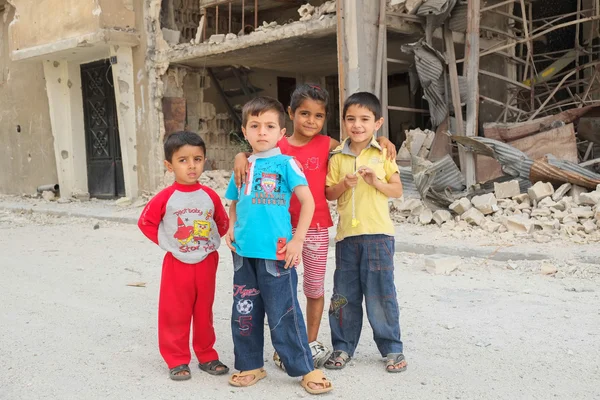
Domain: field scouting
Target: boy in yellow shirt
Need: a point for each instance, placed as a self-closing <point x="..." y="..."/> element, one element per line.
<point x="361" y="179"/>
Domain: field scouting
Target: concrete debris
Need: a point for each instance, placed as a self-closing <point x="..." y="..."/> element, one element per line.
<point x="123" y="202"/>
<point x="171" y="36"/>
<point x="473" y="216"/>
<point x="540" y="190"/>
<point x="266" y="26"/>
<point x="306" y="12"/>
<point x="591" y="198"/>
<point x="216" y="39"/>
<point x="461" y="205"/>
<point x="575" y="192"/>
<point x="561" y="191"/>
<point x="441" y="216"/>
<point x="486" y="203"/>
<point x="63" y="200"/>
<point x="329" y="7"/>
<point x="426" y="216"/>
<point x="548" y="269"/>
<point x="506" y="190"/>
<point x="418" y="142"/>
<point x="230" y="36"/>
<point x="438" y="264"/>
<point x="518" y="224"/>
<point x="48" y="195"/>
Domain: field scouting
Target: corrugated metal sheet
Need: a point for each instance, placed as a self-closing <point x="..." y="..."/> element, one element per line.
<point x="436" y="12"/>
<point x="458" y="18"/>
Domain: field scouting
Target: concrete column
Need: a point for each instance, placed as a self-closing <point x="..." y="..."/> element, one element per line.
<point x="123" y="77"/>
<point x="63" y="87"/>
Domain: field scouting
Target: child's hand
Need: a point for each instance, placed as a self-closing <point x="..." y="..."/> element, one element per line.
<point x="368" y="175"/>
<point x="292" y="251"/>
<point x="350" y="181"/>
<point x="388" y="146"/>
<point x="229" y="239"/>
<point x="240" y="169"/>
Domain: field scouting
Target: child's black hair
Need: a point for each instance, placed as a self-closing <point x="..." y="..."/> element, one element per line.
<point x="366" y="100"/>
<point x="262" y="104"/>
<point x="309" y="91"/>
<point x="177" y="140"/>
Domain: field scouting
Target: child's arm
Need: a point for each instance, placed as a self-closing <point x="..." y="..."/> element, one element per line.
<point x="392" y="188"/>
<point x="152" y="215"/>
<point x="229" y="238"/>
<point x="334" y="192"/>
<point x="240" y="168"/>
<point x="383" y="142"/>
<point x="293" y="249"/>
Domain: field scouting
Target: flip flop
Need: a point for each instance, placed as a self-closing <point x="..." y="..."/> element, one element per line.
<point x="180" y="368"/>
<point x="316" y="376"/>
<point x="211" y="367"/>
<point x="394" y="359"/>
<point x="332" y="362"/>
<point x="258" y="374"/>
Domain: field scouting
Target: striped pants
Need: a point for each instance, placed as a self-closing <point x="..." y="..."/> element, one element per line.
<point x="314" y="261"/>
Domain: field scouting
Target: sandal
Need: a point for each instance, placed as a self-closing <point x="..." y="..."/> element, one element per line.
<point x="278" y="362"/>
<point x="337" y="357"/>
<point x="395" y="359"/>
<point x="257" y="373"/>
<point x="211" y="367"/>
<point x="317" y="377"/>
<point x="180" y="368"/>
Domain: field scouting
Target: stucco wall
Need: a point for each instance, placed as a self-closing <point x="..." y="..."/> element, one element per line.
<point x="47" y="21"/>
<point x="26" y="157"/>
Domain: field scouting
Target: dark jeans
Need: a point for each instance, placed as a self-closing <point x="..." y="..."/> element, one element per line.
<point x="264" y="286"/>
<point x="364" y="266"/>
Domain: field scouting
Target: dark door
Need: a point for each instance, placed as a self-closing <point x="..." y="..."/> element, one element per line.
<point x="104" y="163"/>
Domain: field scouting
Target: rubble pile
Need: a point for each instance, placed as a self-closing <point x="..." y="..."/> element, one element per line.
<point x="308" y="11"/>
<point x="218" y="180"/>
<point x="542" y="212"/>
<point x="418" y="142"/>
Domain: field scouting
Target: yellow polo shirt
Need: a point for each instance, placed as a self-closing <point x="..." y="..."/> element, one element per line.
<point x="371" y="207"/>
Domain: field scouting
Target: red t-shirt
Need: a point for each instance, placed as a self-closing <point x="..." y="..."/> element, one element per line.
<point x="313" y="157"/>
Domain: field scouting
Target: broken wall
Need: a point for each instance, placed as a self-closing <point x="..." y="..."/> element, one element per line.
<point x="26" y="150"/>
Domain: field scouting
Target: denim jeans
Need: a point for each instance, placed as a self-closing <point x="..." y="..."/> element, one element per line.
<point x="264" y="286"/>
<point x="364" y="266"/>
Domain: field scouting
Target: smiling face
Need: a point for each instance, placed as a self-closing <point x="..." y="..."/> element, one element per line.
<point x="263" y="131"/>
<point x="360" y="124"/>
<point x="309" y="118"/>
<point x="187" y="163"/>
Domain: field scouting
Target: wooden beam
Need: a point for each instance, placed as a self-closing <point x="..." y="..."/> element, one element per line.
<point x="472" y="74"/>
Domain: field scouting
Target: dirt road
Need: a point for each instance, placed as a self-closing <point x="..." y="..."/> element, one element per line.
<point x="71" y="328"/>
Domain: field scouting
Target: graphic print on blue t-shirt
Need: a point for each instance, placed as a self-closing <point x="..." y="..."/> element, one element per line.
<point x="263" y="220"/>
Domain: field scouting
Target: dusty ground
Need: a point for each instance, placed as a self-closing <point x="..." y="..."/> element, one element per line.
<point x="71" y="328"/>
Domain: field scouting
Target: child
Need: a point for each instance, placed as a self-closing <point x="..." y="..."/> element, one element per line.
<point x="308" y="110"/>
<point x="265" y="252"/>
<point x="187" y="220"/>
<point x="365" y="238"/>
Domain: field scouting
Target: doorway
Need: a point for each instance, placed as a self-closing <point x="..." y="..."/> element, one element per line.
<point x="103" y="148"/>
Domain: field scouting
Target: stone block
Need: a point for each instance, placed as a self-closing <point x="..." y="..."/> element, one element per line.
<point x="540" y="190"/>
<point x="541" y="212"/>
<point x="460" y="206"/>
<point x="506" y="190"/>
<point x="589" y="226"/>
<point x="441" y="216"/>
<point x="441" y="265"/>
<point x="485" y="203"/>
<point x="48" y="195"/>
<point x="492" y="226"/>
<point x="570" y="218"/>
<point x="215" y="39"/>
<point x="522" y="198"/>
<point x="561" y="191"/>
<point x="415" y="139"/>
<point x="582" y="212"/>
<point x="171" y="36"/>
<point x="546" y="203"/>
<point x="575" y="192"/>
<point x="473" y="216"/>
<point x="403" y="153"/>
<point x="429" y="136"/>
<point x="423" y="153"/>
<point x="518" y="224"/>
<point x="426" y="216"/>
<point x="591" y="198"/>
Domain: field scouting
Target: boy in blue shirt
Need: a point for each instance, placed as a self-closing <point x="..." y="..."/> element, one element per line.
<point x="265" y="253"/>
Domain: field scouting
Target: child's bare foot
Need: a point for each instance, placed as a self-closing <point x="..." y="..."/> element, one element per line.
<point x="180" y="373"/>
<point x="247" y="378"/>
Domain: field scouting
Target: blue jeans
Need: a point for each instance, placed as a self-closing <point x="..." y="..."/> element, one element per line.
<point x="264" y="286"/>
<point x="364" y="266"/>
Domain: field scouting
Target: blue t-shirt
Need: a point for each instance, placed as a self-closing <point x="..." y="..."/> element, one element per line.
<point x="263" y="224"/>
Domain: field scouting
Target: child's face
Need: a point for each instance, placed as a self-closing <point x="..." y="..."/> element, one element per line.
<point x="360" y="124"/>
<point x="263" y="131"/>
<point x="308" y="118"/>
<point x="187" y="164"/>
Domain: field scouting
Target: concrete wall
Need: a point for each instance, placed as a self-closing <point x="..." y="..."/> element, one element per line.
<point x="47" y="21"/>
<point x="26" y="157"/>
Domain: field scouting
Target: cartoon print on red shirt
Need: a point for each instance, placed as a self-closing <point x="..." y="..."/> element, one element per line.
<point x="312" y="164"/>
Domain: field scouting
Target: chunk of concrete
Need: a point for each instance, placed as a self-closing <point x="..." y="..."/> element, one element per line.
<point x="426" y="216"/>
<point x="547" y="203"/>
<point x="215" y="39"/>
<point x="575" y="192"/>
<point x="441" y="265"/>
<point x="123" y="202"/>
<point x="441" y="216"/>
<point x="473" y="216"/>
<point x="430" y="136"/>
<point x="540" y="190"/>
<point x="561" y="191"/>
<point x="460" y="206"/>
<point x="589" y="227"/>
<point x="582" y="212"/>
<point x="548" y="269"/>
<point x="506" y="190"/>
<point x="485" y="203"/>
<point x="171" y="36"/>
<point x="522" y="198"/>
<point x="48" y="195"/>
<point x="541" y="212"/>
<point x="591" y="198"/>
<point x="415" y="139"/>
<point x="492" y="227"/>
<point x="518" y="224"/>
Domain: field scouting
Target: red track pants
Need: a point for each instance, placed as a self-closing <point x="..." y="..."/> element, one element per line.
<point x="186" y="291"/>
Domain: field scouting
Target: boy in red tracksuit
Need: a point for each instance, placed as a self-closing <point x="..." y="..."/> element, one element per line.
<point x="187" y="220"/>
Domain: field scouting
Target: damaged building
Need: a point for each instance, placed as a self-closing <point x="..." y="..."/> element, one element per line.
<point x="89" y="88"/>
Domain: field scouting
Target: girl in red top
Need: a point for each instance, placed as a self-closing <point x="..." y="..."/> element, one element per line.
<point x="308" y="110"/>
